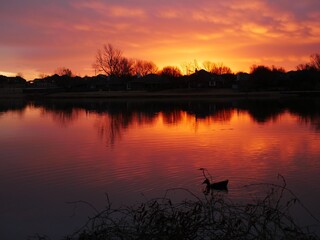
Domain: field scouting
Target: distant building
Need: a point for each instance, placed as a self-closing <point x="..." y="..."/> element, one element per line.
<point x="204" y="79"/>
<point x="11" y="85"/>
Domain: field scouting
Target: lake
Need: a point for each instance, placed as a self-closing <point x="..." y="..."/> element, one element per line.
<point x="54" y="152"/>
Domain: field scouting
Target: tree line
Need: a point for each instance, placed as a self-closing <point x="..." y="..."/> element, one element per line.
<point x="110" y="61"/>
<point x="114" y="71"/>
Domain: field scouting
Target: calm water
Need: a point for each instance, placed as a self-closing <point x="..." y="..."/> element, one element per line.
<point x="55" y="152"/>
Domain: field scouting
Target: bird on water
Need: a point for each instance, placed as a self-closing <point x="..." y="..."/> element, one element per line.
<point x="222" y="185"/>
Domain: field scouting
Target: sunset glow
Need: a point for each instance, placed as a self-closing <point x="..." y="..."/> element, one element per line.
<point x="36" y="37"/>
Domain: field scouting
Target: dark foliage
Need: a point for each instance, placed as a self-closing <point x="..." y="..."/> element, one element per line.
<point x="212" y="216"/>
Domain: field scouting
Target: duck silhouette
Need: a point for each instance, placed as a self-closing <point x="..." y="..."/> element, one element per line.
<point x="221" y="186"/>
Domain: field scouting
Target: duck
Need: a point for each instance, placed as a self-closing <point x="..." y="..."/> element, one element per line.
<point x="221" y="186"/>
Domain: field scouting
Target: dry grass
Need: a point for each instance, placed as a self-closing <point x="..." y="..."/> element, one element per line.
<point x="210" y="216"/>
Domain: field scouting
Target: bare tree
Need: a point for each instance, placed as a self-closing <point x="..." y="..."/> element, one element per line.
<point x="171" y="71"/>
<point x="63" y="71"/>
<point x="190" y="67"/>
<point x="125" y="68"/>
<point x="217" y="68"/>
<point x="260" y="69"/>
<point x="302" y="66"/>
<point x="315" y="60"/>
<point x="207" y="65"/>
<point x="277" y="69"/>
<point x="314" y="63"/>
<point x="110" y="61"/>
<point x="142" y="67"/>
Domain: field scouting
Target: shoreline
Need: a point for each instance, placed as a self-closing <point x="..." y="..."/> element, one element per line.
<point x="216" y="93"/>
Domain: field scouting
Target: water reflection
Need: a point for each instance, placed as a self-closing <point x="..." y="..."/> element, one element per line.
<point x="263" y="111"/>
<point x="9" y="105"/>
<point x="66" y="150"/>
<point x="307" y="112"/>
<point x="117" y="116"/>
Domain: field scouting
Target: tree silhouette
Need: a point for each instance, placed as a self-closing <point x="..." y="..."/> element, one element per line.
<point x="171" y="71"/>
<point x="190" y="67"/>
<point x="110" y="61"/>
<point x="264" y="77"/>
<point x="125" y="67"/>
<point x="314" y="63"/>
<point x="207" y="65"/>
<point x="143" y="68"/>
<point x="217" y="68"/>
<point x="63" y="71"/>
<point x="277" y="69"/>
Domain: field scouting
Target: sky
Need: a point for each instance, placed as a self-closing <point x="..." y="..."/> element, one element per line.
<point x="39" y="36"/>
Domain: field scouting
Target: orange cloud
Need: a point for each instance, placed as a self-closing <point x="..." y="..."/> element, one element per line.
<point x="110" y="9"/>
<point x="41" y="37"/>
